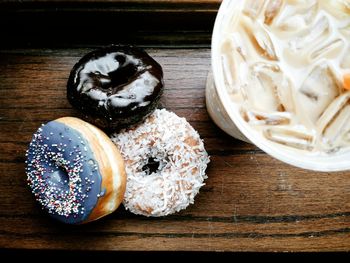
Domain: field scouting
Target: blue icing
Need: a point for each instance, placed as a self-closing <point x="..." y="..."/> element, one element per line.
<point x="63" y="173"/>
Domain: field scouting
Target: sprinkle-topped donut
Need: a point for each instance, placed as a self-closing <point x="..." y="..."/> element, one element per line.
<point x="165" y="163"/>
<point x="115" y="86"/>
<point x="75" y="171"/>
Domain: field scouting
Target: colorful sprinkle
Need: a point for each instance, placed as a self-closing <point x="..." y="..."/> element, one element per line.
<point x="57" y="182"/>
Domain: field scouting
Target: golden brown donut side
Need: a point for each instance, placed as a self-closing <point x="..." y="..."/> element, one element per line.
<point x="111" y="166"/>
<point x="109" y="155"/>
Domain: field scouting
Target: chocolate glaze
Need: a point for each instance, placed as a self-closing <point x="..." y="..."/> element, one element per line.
<point x="115" y="86"/>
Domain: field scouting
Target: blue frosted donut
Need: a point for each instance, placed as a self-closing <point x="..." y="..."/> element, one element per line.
<point x="74" y="170"/>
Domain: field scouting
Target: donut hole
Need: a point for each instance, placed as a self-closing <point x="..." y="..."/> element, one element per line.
<point x="124" y="74"/>
<point x="60" y="177"/>
<point x="120" y="58"/>
<point x="152" y="166"/>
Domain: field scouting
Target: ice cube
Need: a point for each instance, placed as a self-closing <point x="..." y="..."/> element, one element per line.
<point x="260" y="93"/>
<point x="338" y="8"/>
<point x="228" y="71"/>
<point x="238" y="44"/>
<point x="228" y="65"/>
<point x="297" y="16"/>
<point x="334" y="124"/>
<point x="252" y="8"/>
<point x="264" y="41"/>
<point x="337" y="133"/>
<point x="345" y="30"/>
<point x="294" y="138"/>
<point x="269" y="89"/>
<point x="328" y="50"/>
<point x="264" y="118"/>
<point x="272" y="10"/>
<point x="285" y="91"/>
<point x="318" y="90"/>
<point x="234" y="65"/>
<point x="345" y="63"/>
<point x="311" y="35"/>
<point x="260" y="39"/>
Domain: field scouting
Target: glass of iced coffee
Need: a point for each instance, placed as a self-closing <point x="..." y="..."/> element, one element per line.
<point x="281" y="78"/>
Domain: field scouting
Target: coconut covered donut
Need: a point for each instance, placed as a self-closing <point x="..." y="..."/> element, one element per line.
<point x="165" y="164"/>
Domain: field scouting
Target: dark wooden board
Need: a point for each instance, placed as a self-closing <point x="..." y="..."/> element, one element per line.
<point x="63" y="23"/>
<point x="251" y="202"/>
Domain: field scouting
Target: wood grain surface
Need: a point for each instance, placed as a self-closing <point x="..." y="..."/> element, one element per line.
<point x="251" y="202"/>
<point x="79" y="23"/>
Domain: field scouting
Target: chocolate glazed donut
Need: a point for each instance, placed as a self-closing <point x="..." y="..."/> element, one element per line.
<point x="115" y="87"/>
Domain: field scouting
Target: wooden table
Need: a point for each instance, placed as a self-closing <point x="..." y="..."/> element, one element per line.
<point x="251" y="202"/>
